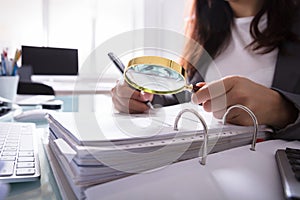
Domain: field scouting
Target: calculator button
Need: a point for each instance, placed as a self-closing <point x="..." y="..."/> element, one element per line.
<point x="296" y="168"/>
<point x="293" y="156"/>
<point x="294" y="161"/>
<point x="297" y="175"/>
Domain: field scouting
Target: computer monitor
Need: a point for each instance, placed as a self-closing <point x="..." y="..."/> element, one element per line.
<point x="50" y="61"/>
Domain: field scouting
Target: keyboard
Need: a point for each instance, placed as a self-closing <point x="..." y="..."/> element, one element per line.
<point x="18" y="153"/>
<point x="288" y="162"/>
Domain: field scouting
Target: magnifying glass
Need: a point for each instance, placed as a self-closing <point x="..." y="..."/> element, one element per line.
<point x="157" y="75"/>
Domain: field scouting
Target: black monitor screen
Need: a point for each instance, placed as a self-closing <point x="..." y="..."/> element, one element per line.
<point x="50" y="61"/>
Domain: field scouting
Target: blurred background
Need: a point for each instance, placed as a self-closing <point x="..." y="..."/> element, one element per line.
<point x="82" y="25"/>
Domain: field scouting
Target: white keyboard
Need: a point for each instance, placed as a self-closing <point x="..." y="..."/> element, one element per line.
<point x="18" y="153"/>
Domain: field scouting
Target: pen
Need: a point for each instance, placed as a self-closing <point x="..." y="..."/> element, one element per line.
<point x="3" y="65"/>
<point x="118" y="63"/>
<point x="14" y="64"/>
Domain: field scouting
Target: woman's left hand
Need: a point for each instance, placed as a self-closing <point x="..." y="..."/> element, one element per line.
<point x="269" y="106"/>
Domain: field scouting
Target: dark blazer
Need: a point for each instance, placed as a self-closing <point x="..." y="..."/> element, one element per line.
<point x="286" y="81"/>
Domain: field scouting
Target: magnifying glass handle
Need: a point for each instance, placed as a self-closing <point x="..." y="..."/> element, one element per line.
<point x="197" y="86"/>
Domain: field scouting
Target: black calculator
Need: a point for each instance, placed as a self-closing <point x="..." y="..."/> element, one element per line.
<point x="288" y="161"/>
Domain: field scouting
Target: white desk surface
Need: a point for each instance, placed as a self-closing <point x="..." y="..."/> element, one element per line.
<point x="70" y="88"/>
<point x="233" y="174"/>
<point x="81" y="85"/>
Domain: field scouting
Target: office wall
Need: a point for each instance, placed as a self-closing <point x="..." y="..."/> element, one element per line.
<point x="20" y="22"/>
<point x="82" y="24"/>
<point x="67" y="23"/>
<point x="166" y="14"/>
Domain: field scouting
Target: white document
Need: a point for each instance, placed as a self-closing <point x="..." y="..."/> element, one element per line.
<point x="229" y="175"/>
<point x="96" y="147"/>
<point x="94" y="129"/>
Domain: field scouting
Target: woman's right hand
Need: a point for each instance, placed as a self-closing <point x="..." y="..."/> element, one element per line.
<point x="128" y="100"/>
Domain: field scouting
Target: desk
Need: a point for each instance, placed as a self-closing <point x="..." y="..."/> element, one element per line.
<point x="233" y="174"/>
<point x="73" y="86"/>
<point x="46" y="187"/>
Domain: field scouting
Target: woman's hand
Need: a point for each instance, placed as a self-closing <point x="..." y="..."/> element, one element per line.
<point x="128" y="100"/>
<point x="269" y="106"/>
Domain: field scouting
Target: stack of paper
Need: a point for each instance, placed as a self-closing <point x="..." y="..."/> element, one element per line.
<point x="93" y="148"/>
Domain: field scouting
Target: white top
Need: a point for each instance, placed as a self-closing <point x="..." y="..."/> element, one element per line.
<point x="236" y="60"/>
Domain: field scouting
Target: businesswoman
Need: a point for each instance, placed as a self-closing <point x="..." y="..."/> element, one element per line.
<point x="255" y="47"/>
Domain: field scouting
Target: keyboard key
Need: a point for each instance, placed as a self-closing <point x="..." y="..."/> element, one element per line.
<point x="12" y="139"/>
<point x="8" y="169"/>
<point x="10" y="149"/>
<point x="25" y="171"/>
<point x="26" y="143"/>
<point x="25" y="165"/>
<point x="26" y="154"/>
<point x="9" y="153"/>
<point x="26" y="159"/>
<point x="8" y="158"/>
<point x="11" y="144"/>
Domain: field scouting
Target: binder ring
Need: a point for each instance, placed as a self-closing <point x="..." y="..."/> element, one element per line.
<point x="204" y="151"/>
<point x="255" y="123"/>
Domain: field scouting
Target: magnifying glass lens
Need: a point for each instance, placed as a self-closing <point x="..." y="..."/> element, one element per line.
<point x="155" y="79"/>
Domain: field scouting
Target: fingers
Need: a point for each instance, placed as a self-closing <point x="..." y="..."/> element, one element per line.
<point x="128" y="100"/>
<point x="131" y="106"/>
<point x="124" y="91"/>
<point x="213" y="90"/>
<point x="217" y="96"/>
<point x="198" y="86"/>
<point x="217" y="104"/>
<point x="235" y="116"/>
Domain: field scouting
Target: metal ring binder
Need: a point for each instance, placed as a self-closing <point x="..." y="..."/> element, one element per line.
<point x="255" y="123"/>
<point x="204" y="151"/>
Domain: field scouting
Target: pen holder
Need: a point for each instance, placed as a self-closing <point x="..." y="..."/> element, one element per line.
<point x="8" y="87"/>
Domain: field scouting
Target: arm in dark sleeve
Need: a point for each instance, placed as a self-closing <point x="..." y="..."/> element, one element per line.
<point x="184" y="96"/>
<point x="168" y="100"/>
<point x="292" y="131"/>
